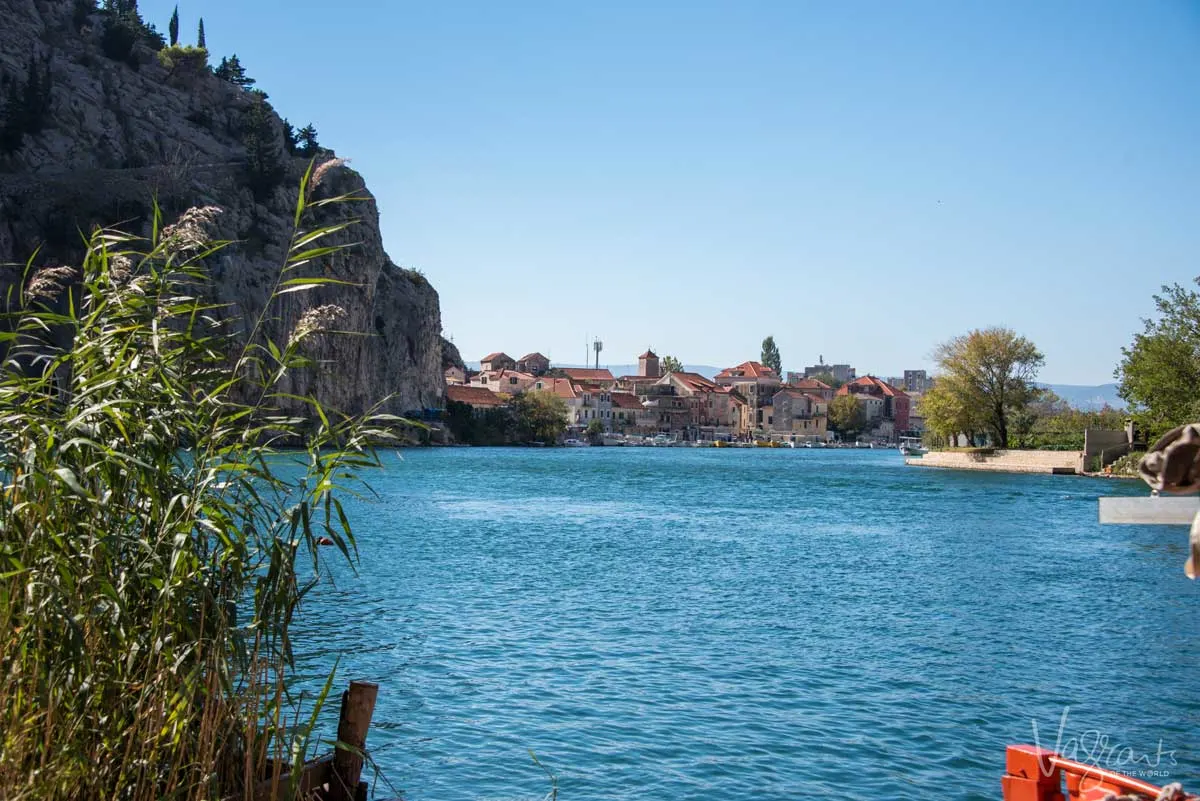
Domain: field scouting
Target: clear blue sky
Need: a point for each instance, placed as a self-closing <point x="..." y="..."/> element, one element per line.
<point x="862" y="179"/>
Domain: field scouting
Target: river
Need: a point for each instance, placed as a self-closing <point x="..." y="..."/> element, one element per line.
<point x="747" y="624"/>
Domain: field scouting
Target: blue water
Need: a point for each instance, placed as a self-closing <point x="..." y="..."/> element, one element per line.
<point x="747" y="624"/>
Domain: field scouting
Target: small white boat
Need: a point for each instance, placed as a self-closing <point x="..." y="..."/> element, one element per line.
<point x="575" y="443"/>
<point x="911" y="446"/>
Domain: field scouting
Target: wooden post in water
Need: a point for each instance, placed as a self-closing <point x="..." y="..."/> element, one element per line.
<point x="358" y="705"/>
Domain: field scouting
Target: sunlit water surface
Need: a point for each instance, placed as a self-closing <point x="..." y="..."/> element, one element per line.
<point x="748" y="624"/>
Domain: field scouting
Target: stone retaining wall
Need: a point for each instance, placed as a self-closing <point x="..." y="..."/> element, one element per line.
<point x="1003" y="461"/>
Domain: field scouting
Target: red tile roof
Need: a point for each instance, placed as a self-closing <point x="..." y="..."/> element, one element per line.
<point x="649" y="354"/>
<point x="587" y="374"/>
<point x="562" y="387"/>
<point x="815" y="398"/>
<point x="474" y="396"/>
<point x="696" y="381"/>
<point x="625" y="400"/>
<point x="491" y="357"/>
<point x="809" y="384"/>
<point x="534" y="355"/>
<point x="870" y="385"/>
<point x="748" y="370"/>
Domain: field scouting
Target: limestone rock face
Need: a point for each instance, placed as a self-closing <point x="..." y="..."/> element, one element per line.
<point x="115" y="137"/>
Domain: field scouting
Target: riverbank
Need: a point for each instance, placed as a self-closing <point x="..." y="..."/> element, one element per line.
<point x="1004" y="461"/>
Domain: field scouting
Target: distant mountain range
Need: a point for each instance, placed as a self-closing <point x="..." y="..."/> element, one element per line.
<point x="1087" y="398"/>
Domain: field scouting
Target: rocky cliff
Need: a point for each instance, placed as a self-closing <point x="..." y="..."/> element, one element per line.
<point x="112" y="134"/>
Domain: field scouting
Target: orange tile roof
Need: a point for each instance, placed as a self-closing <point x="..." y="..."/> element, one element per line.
<point x="696" y="381"/>
<point x="870" y="384"/>
<point x="625" y="400"/>
<point x="809" y="383"/>
<point x="515" y="373"/>
<point x="587" y="374"/>
<point x="562" y="387"/>
<point x="649" y="354"/>
<point x="474" y="396"/>
<point x="534" y="355"/>
<point x="491" y="357"/>
<point x="748" y="370"/>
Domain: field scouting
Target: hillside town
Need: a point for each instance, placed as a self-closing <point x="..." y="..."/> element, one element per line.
<point x="749" y="402"/>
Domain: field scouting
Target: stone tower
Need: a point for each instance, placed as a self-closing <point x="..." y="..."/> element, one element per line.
<point x="648" y="365"/>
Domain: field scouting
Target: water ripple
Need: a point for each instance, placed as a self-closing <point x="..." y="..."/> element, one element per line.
<point x="698" y="624"/>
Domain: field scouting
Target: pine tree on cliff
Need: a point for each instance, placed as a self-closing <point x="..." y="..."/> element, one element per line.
<point x="231" y="69"/>
<point x="308" y="140"/>
<point x="200" y="38"/>
<point x="173" y="27"/>
<point x="264" y="162"/>
<point x="289" y="137"/>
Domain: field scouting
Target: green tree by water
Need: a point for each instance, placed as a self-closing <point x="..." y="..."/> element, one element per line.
<point x="669" y="364"/>
<point x="948" y="414"/>
<point x="594" y="431"/>
<point x="539" y="417"/>
<point x="770" y="355"/>
<point x="986" y="376"/>
<point x="1159" y="373"/>
<point x="846" y="416"/>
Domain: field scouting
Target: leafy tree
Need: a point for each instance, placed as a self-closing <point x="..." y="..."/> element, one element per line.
<point x="307" y="137"/>
<point x="770" y="355"/>
<point x="490" y="427"/>
<point x="989" y="375"/>
<point x="669" y="364"/>
<point x="118" y="39"/>
<point x="594" y="430"/>
<point x="1159" y="372"/>
<point x="200" y="42"/>
<point x="539" y="417"/>
<point x="846" y="415"/>
<point x="173" y="27"/>
<point x="231" y="69"/>
<point x="947" y="415"/>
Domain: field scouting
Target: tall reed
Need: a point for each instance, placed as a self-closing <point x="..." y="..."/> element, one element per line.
<point x="155" y="540"/>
